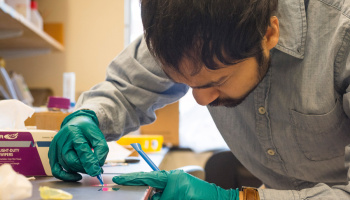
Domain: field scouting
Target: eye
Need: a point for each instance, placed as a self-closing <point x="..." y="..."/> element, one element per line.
<point x="222" y="83"/>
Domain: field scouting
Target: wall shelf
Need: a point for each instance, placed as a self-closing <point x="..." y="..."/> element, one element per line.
<point x="19" y="37"/>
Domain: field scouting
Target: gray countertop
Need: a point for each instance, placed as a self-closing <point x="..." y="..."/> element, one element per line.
<point x="89" y="187"/>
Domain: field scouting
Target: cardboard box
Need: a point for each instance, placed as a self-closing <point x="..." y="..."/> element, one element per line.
<point x="166" y="124"/>
<point x="55" y="30"/>
<point x="47" y="120"/>
<point x="26" y="151"/>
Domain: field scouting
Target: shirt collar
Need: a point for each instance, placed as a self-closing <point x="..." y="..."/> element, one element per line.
<point x="293" y="27"/>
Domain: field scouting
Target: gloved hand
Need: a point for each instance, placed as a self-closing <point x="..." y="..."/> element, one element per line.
<point x="177" y="184"/>
<point x="70" y="150"/>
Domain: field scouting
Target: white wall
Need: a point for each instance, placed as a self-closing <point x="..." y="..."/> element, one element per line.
<point x="93" y="36"/>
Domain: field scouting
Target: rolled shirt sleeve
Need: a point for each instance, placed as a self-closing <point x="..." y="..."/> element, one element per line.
<point x="134" y="88"/>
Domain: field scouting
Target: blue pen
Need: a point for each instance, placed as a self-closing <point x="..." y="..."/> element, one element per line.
<point x="99" y="177"/>
<point x="139" y="150"/>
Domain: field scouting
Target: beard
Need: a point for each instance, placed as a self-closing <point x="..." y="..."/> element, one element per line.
<point x="264" y="64"/>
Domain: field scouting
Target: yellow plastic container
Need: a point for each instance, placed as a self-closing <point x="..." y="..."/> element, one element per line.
<point x="149" y="143"/>
<point x="52" y="193"/>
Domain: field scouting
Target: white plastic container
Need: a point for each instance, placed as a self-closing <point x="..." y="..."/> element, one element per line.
<point x="69" y="86"/>
<point x="21" y="6"/>
<point x="35" y="16"/>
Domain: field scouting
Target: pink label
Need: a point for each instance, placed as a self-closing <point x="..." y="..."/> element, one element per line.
<point x="20" y="150"/>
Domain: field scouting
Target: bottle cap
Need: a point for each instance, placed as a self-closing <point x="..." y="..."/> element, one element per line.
<point x="72" y="104"/>
<point x="58" y="102"/>
<point x="34" y="5"/>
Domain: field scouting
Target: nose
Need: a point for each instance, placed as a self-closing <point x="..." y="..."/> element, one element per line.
<point x="205" y="96"/>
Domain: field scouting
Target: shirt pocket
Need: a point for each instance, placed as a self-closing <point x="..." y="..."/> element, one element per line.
<point x="322" y="137"/>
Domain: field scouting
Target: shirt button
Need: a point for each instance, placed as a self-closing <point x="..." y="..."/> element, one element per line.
<point x="271" y="152"/>
<point x="262" y="110"/>
<point x="299" y="49"/>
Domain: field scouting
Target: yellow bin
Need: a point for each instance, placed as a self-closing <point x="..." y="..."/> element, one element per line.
<point x="149" y="143"/>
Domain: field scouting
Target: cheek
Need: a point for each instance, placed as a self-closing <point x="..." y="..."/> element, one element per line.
<point x="240" y="84"/>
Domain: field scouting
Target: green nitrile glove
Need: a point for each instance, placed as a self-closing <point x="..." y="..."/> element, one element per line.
<point x="70" y="150"/>
<point x="177" y="184"/>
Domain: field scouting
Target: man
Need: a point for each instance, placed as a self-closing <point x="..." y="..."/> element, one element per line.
<point x="275" y="78"/>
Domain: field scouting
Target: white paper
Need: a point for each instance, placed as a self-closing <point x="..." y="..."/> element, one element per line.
<point x="13" y="113"/>
<point x="116" y="152"/>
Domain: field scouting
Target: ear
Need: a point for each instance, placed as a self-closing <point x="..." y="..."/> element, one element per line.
<point x="272" y="34"/>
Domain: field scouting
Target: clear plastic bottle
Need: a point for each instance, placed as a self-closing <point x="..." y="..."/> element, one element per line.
<point x="35" y="16"/>
<point x="69" y="87"/>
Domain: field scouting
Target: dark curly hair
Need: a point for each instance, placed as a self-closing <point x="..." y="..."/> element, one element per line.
<point x="204" y="30"/>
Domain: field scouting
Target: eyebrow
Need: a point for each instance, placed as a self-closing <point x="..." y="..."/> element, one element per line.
<point x="207" y="85"/>
<point x="211" y="84"/>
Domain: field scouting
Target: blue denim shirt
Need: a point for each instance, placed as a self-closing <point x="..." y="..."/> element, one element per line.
<point x="292" y="132"/>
